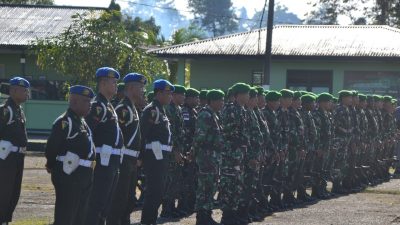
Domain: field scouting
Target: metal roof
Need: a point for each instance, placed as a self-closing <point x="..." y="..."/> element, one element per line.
<point x="297" y="40"/>
<point x="21" y="24"/>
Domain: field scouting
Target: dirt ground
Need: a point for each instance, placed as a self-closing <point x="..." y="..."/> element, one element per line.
<point x="378" y="205"/>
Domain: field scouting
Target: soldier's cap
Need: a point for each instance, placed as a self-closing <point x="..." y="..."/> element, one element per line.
<point x="135" y="77"/>
<point x="273" y="96"/>
<point x="394" y="101"/>
<point x="19" y="81"/>
<point x="240" y="88"/>
<point x="324" y="97"/>
<point x="120" y="87"/>
<point x="297" y="95"/>
<point x="362" y="97"/>
<point x="179" y="89"/>
<point x="335" y="100"/>
<point x="304" y="93"/>
<point x="107" y="72"/>
<point x="387" y="99"/>
<point x="355" y="93"/>
<point x="191" y="92"/>
<point x="377" y="98"/>
<point x="203" y="94"/>
<point x="81" y="90"/>
<point x="163" y="85"/>
<point x="287" y="93"/>
<point x="215" y="94"/>
<point x="260" y="91"/>
<point x="313" y="94"/>
<point x="150" y="96"/>
<point x="307" y="98"/>
<point x="253" y="93"/>
<point x="266" y="92"/>
<point x="345" y="93"/>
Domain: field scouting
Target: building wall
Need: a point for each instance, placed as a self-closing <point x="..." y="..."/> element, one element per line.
<point x="219" y="73"/>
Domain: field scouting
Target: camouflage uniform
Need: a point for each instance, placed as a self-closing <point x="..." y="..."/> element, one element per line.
<point x="234" y="123"/>
<point x="208" y="143"/>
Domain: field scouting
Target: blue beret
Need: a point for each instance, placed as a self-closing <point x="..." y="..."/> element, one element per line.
<point x="135" y="77"/>
<point x="19" y="81"/>
<point x="81" y="90"/>
<point x="163" y="85"/>
<point x="107" y="72"/>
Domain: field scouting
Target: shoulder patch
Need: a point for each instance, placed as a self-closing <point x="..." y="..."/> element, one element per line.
<point x="5" y="111"/>
<point x="64" y="124"/>
<point x="98" y="109"/>
<point x="153" y="113"/>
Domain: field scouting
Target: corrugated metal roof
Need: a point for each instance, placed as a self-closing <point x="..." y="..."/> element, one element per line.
<point x="21" y="24"/>
<point x="298" y="40"/>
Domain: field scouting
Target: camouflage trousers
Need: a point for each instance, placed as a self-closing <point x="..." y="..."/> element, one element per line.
<point x="340" y="166"/>
<point x="207" y="186"/>
<point x="251" y="183"/>
<point x="173" y="182"/>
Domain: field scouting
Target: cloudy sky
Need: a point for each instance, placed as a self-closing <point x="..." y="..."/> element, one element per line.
<point x="299" y="7"/>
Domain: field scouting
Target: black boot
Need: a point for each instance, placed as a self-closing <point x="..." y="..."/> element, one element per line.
<point x="242" y="215"/>
<point x="201" y="218"/>
<point x="167" y="210"/>
<point x="228" y="218"/>
<point x="254" y="213"/>
<point x="211" y="221"/>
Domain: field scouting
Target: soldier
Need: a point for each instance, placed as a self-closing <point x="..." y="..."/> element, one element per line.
<point x="107" y="137"/>
<point x="119" y="96"/>
<point x="189" y="112"/>
<point x="13" y="142"/>
<point x="372" y="137"/>
<point x="207" y="146"/>
<point x="128" y="119"/>
<point x="156" y="138"/>
<point x="272" y="174"/>
<point x="203" y="99"/>
<point x="343" y="134"/>
<point x="363" y="128"/>
<point x="174" y="175"/>
<point x="234" y="122"/>
<point x="323" y="144"/>
<point x="70" y="154"/>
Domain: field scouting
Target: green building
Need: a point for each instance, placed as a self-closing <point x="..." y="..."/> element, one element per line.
<point x="19" y="26"/>
<point x="304" y="57"/>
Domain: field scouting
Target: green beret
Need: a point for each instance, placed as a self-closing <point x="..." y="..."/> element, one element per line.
<point x="214" y="94"/>
<point x="260" y="91"/>
<point x="273" y="96"/>
<point x="240" y="88"/>
<point x="324" y="97"/>
<point x="394" y="101"/>
<point x="297" y="95"/>
<point x="120" y="87"/>
<point x="150" y="96"/>
<point x="191" y="92"/>
<point x="335" y="100"/>
<point x="377" y="98"/>
<point x="179" y="89"/>
<point x="253" y="92"/>
<point x="387" y="99"/>
<point x="266" y="92"/>
<point x="203" y="94"/>
<point x="307" y="98"/>
<point x="362" y="97"/>
<point x="287" y="93"/>
<point x="313" y="94"/>
<point x="304" y="93"/>
<point x="355" y="93"/>
<point x="344" y="93"/>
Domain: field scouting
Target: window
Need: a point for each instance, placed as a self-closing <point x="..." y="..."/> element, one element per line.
<point x="257" y="78"/>
<point x="317" y="81"/>
<point x="370" y="82"/>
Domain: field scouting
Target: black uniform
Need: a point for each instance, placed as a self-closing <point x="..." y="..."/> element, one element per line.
<point x="12" y="129"/>
<point x="103" y="121"/>
<point x="128" y="119"/>
<point x="70" y="133"/>
<point x="155" y="128"/>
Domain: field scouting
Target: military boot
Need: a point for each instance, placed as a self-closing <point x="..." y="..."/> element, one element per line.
<point x="228" y="218"/>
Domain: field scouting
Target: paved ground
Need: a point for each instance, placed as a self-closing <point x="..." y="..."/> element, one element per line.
<point x="379" y="205"/>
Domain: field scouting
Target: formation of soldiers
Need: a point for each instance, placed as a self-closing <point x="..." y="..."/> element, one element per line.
<point x="249" y="152"/>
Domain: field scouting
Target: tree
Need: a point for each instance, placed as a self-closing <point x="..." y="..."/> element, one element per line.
<point x="92" y="42"/>
<point x="216" y="16"/>
<point x="28" y="2"/>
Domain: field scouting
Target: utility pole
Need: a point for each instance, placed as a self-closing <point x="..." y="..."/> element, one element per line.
<point x="268" y="48"/>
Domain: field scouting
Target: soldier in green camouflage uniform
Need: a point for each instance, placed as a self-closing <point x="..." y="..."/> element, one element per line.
<point x="271" y="175"/>
<point x="372" y="138"/>
<point x="363" y="127"/>
<point x="174" y="175"/>
<point x="207" y="145"/>
<point x="343" y="132"/>
<point x="323" y="144"/>
<point x="235" y="131"/>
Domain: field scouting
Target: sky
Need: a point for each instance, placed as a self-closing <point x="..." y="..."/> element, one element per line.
<point x="299" y="7"/>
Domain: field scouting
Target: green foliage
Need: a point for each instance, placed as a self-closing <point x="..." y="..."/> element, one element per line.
<point x="216" y="16"/>
<point x="93" y="41"/>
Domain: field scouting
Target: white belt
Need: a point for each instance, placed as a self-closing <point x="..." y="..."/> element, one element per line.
<point x="130" y="152"/>
<point x="82" y="162"/>
<point x="18" y="149"/>
<point x="167" y="148"/>
<point x="115" y="151"/>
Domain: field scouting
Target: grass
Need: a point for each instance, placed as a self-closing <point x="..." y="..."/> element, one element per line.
<point x="33" y="221"/>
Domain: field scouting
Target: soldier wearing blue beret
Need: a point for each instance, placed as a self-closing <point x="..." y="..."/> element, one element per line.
<point x="70" y="155"/>
<point x="156" y="137"/>
<point x="128" y="119"/>
<point x="108" y="139"/>
<point x="13" y="142"/>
